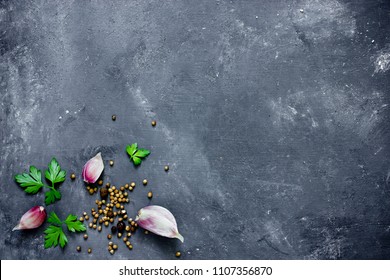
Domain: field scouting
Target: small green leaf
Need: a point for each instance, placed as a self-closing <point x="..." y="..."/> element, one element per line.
<point x="53" y="219"/>
<point x="137" y="160"/>
<point x="52" y="235"/>
<point x="131" y="149"/>
<point x="32" y="182"/>
<point x="63" y="239"/>
<point x="51" y="196"/>
<point x="73" y="224"/>
<point x="54" y="173"/>
<point x="141" y="153"/>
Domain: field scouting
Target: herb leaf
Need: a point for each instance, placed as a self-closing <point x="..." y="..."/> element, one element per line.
<point x="132" y="149"/>
<point x="32" y="182"/>
<point x="73" y="224"/>
<point x="137" y="160"/>
<point x="52" y="235"/>
<point x="141" y="153"/>
<point x="136" y="155"/>
<point x="53" y="219"/>
<point x="54" y="174"/>
<point x="51" y="196"/>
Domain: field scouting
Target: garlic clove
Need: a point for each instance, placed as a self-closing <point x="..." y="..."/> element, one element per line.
<point x="158" y="220"/>
<point x="33" y="218"/>
<point x="93" y="169"/>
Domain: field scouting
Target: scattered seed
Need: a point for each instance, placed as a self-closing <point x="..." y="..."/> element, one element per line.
<point x="100" y="228"/>
<point x="178" y="254"/>
<point x="112" y="252"/>
<point x="89" y="250"/>
<point x="85" y="236"/>
<point x="146" y="232"/>
<point x="145" y="182"/>
<point x="132" y="184"/>
<point x="109" y="236"/>
<point x="81" y="219"/>
<point x="111" y="163"/>
<point x="113" y="229"/>
<point x="113" y="117"/>
<point x="86" y="217"/>
<point x="90" y="225"/>
<point x="78" y="248"/>
<point x="72" y="176"/>
<point x="130" y="247"/>
<point x="85" y="213"/>
<point x="100" y="182"/>
<point x="120" y="226"/>
<point x="94" y="226"/>
<point x="166" y="168"/>
<point x="119" y="235"/>
<point x="154" y="123"/>
<point x="150" y="195"/>
<point x="115" y="247"/>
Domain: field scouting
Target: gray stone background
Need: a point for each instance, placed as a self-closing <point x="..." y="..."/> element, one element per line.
<point x="273" y="116"/>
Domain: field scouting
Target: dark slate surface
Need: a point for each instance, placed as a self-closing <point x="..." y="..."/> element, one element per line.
<point x="274" y="121"/>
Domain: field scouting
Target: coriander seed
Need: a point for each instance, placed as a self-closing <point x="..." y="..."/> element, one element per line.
<point x="78" y="248"/>
<point x="109" y="236"/>
<point x="113" y="117"/>
<point x="145" y="182"/>
<point x="154" y="123"/>
<point x="115" y="247"/>
<point x="166" y="168"/>
<point x="132" y="184"/>
<point x="178" y="254"/>
<point x="85" y="236"/>
<point x="111" y="163"/>
<point x="150" y="195"/>
<point x="89" y="250"/>
<point x="100" y="182"/>
<point x="72" y="176"/>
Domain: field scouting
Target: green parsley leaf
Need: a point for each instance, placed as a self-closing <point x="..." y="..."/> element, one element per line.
<point x="136" y="155"/>
<point x="137" y="160"/>
<point x="32" y="182"/>
<point x="51" y="196"/>
<point x="52" y="236"/>
<point x="53" y="219"/>
<point x="54" y="174"/>
<point x="73" y="224"/>
<point x="141" y="153"/>
<point x="131" y="149"/>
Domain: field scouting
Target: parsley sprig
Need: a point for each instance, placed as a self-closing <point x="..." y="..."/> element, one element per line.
<point x="32" y="182"/>
<point x="136" y="155"/>
<point x="55" y="235"/>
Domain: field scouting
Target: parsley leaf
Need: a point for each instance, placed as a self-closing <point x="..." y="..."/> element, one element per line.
<point x="136" y="155"/>
<point x="141" y="153"/>
<point x="32" y="182"/>
<point x="73" y="224"/>
<point x="52" y="235"/>
<point x="132" y="149"/>
<point x="51" y="196"/>
<point x="54" y="174"/>
<point x="53" y="219"/>
<point x="55" y="235"/>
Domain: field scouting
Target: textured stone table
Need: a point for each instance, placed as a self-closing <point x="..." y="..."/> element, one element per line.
<point x="273" y="117"/>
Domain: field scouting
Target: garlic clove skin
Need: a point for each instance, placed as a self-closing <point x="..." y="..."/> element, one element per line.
<point x="93" y="169"/>
<point x="158" y="220"/>
<point x="33" y="218"/>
